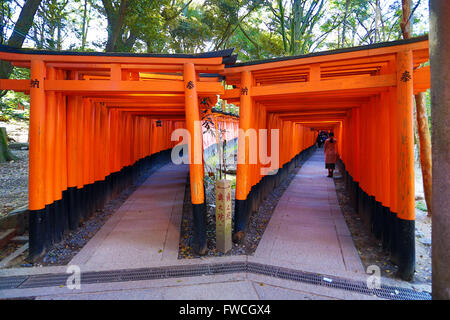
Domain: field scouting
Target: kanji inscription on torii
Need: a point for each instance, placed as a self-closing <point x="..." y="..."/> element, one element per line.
<point x="223" y="215"/>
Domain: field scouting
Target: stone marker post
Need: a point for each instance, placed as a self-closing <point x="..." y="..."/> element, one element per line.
<point x="223" y="215"/>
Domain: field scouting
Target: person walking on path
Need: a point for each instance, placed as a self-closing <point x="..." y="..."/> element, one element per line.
<point x="319" y="140"/>
<point x="330" y="149"/>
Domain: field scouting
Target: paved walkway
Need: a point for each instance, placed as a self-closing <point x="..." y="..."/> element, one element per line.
<point x="307" y="231"/>
<point x="234" y="286"/>
<point x="145" y="230"/>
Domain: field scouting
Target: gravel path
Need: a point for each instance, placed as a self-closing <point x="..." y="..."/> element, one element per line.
<point x="14" y="182"/>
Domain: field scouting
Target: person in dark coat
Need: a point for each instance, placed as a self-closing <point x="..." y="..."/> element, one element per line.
<point x="330" y="149"/>
<point x="319" y="141"/>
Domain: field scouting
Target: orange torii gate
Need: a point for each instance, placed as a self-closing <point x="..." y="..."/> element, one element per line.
<point x="97" y="120"/>
<point x="363" y="94"/>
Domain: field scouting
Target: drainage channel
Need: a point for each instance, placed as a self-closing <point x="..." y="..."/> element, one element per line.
<point x="52" y="280"/>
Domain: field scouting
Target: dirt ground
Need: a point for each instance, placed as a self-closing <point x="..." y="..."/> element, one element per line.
<point x="14" y="183"/>
<point x="17" y="130"/>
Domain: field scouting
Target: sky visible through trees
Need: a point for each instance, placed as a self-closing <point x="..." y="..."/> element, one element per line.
<point x="257" y="29"/>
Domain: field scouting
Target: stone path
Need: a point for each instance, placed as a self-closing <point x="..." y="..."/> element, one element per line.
<point x="236" y="286"/>
<point x="307" y="230"/>
<point x="145" y="229"/>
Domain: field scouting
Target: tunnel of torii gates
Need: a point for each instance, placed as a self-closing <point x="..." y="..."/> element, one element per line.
<point x="98" y="119"/>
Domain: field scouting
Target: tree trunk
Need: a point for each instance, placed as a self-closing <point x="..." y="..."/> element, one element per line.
<point x="297" y="16"/>
<point x="421" y="113"/>
<point x="59" y="35"/>
<point x="344" y="23"/>
<point x="440" y="116"/>
<point x="282" y="24"/>
<point x="5" y="153"/>
<point x="21" y="28"/>
<point x="405" y="24"/>
<point x="84" y="26"/>
<point x="377" y="20"/>
<point x="115" y="22"/>
<point x="255" y="44"/>
<point x="425" y="147"/>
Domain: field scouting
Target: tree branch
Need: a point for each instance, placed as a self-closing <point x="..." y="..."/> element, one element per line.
<point x="251" y="40"/>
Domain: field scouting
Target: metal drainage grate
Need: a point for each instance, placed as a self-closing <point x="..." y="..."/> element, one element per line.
<point x="45" y="280"/>
<point x="51" y="280"/>
<point x="398" y="293"/>
<point x="224" y="268"/>
<point x="385" y="292"/>
<point x="263" y="269"/>
<point x="12" y="282"/>
<point x="187" y="271"/>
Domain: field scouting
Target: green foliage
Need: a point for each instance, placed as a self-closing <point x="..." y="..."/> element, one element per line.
<point x="50" y="24"/>
<point x="421" y="206"/>
<point x="252" y="43"/>
<point x="223" y="106"/>
<point x="4" y="117"/>
<point x="20" y="73"/>
<point x="11" y="100"/>
<point x="359" y="22"/>
<point x="6" y="14"/>
<point x="257" y="29"/>
<point x="188" y="33"/>
<point x="9" y="106"/>
<point x="428" y="103"/>
<point x="295" y="22"/>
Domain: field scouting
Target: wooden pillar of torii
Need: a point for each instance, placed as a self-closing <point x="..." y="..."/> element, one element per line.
<point x="193" y="125"/>
<point x="242" y="208"/>
<point x="317" y="90"/>
<point x="36" y="159"/>
<point x="405" y="168"/>
<point x="89" y="139"/>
